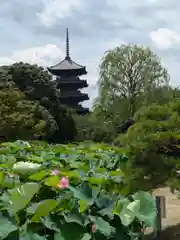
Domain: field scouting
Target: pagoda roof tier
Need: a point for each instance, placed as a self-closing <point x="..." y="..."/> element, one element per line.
<point x="69" y="79"/>
<point x="75" y="95"/>
<point x="67" y="66"/>
<point x="75" y="83"/>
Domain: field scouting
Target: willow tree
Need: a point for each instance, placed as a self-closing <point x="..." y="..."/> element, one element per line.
<point x="128" y="74"/>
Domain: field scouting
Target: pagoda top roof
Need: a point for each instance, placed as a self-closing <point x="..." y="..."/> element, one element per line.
<point x="67" y="65"/>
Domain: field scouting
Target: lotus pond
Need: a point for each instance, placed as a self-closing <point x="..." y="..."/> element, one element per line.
<point x="70" y="192"/>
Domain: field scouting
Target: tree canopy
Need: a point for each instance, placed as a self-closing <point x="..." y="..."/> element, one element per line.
<point x="23" y="119"/>
<point x="37" y="85"/>
<point x="153" y="142"/>
<point x="129" y="75"/>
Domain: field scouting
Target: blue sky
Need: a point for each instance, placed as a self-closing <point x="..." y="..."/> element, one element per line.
<point x="34" y="31"/>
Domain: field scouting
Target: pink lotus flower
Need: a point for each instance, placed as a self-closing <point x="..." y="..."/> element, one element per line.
<point x="94" y="228"/>
<point x="55" y="172"/>
<point x="63" y="183"/>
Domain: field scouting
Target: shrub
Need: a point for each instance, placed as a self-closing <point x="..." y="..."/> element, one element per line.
<point x="93" y="129"/>
<point x="78" y="192"/>
<point x="153" y="144"/>
<point x="23" y="119"/>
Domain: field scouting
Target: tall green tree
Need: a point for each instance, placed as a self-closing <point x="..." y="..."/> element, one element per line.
<point x="162" y="95"/>
<point x="128" y="74"/>
<point x="37" y="85"/>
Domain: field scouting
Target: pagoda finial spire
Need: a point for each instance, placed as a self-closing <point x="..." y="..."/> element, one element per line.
<point x="67" y="43"/>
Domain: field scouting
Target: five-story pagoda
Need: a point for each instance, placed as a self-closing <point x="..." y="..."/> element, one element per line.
<point x="67" y="74"/>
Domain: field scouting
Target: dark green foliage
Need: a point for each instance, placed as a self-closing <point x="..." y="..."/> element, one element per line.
<point x="23" y="119"/>
<point x="153" y="143"/>
<point x="90" y="128"/>
<point x="37" y="85"/>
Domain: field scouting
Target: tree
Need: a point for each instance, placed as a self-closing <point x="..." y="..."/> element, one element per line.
<point x="153" y="144"/>
<point x="127" y="75"/>
<point x="37" y="85"/>
<point x="89" y="128"/>
<point x="162" y="95"/>
<point x="23" y="119"/>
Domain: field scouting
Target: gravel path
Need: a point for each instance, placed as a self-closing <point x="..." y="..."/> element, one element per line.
<point x="172" y="207"/>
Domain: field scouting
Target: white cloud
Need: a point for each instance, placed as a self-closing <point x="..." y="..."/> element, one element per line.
<point x="44" y="55"/>
<point x="164" y="38"/>
<point x="55" y="9"/>
<point x="102" y="25"/>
